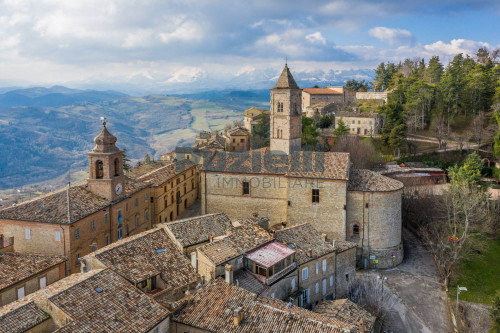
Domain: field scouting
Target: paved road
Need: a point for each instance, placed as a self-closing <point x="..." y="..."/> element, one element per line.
<point x="422" y="305"/>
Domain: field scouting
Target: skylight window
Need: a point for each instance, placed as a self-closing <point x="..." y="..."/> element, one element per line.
<point x="291" y="246"/>
<point x="99" y="290"/>
<point x="160" y="251"/>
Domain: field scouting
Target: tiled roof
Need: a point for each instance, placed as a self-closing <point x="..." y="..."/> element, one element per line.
<point x="246" y="280"/>
<point x="163" y="174"/>
<point x="136" y="258"/>
<point x="240" y="240"/>
<point x="348" y="312"/>
<point x="212" y="309"/>
<point x="303" y="237"/>
<point x="323" y="165"/>
<point x="357" y="114"/>
<point x="15" y="267"/>
<point x="53" y="207"/>
<point x="146" y="168"/>
<point x="198" y="229"/>
<point x="269" y="254"/>
<point x="341" y="245"/>
<point x="321" y="91"/>
<point x="369" y="181"/>
<point x="120" y="307"/>
<point x="22" y="319"/>
<point x="239" y="131"/>
<point x="254" y="112"/>
<point x="286" y="80"/>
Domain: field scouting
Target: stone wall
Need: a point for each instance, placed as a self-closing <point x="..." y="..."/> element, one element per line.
<point x="372" y="95"/>
<point x="313" y="278"/>
<point x="345" y="271"/>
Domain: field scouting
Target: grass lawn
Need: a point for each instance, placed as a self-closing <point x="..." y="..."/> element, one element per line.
<point x="481" y="276"/>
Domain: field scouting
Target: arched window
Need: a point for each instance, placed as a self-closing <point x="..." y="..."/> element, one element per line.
<point x="99" y="170"/>
<point x="355" y="230"/>
<point x="280" y="106"/>
<point x="171" y="216"/>
<point x="117" y="166"/>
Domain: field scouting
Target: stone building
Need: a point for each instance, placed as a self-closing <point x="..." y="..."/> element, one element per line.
<point x="363" y="124"/>
<point x="235" y="139"/>
<point x="286" y="116"/>
<point x="6" y="244"/>
<point x="22" y="274"/>
<point x="97" y="301"/>
<point x="150" y="261"/>
<point x="335" y="95"/>
<point x="348" y="312"/>
<point x="239" y="139"/>
<point x="174" y="189"/>
<point x="317" y="263"/>
<point x="251" y="118"/>
<point x="77" y="220"/>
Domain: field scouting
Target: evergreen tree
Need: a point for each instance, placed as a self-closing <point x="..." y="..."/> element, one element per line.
<point x="341" y="128"/>
<point x="309" y="133"/>
<point x="126" y="160"/>
<point x="496" y="147"/>
<point x="357" y="85"/>
<point x="147" y="159"/>
<point x="433" y="71"/>
<point x="469" y="172"/>
<point x="261" y="132"/>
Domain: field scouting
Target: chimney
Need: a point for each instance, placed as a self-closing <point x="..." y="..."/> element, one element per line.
<point x="211" y="239"/>
<point x="194" y="262"/>
<point x="309" y="252"/>
<point x="283" y="223"/>
<point x="238" y="316"/>
<point x="323" y="237"/>
<point x="83" y="266"/>
<point x="229" y="274"/>
<point x="255" y="214"/>
<point x="333" y="243"/>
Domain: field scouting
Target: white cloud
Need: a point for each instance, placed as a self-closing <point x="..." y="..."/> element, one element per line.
<point x="456" y="46"/>
<point x="316" y="38"/>
<point x="393" y="36"/>
<point x="187" y="74"/>
<point x="247" y="69"/>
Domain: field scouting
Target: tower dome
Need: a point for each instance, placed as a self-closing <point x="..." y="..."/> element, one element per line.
<point x="105" y="142"/>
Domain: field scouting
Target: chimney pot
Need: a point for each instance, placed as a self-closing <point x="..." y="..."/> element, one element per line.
<point x="309" y="252"/>
<point x="211" y="239"/>
<point x="255" y="214"/>
<point x="323" y="237"/>
<point x="238" y="316"/>
<point x="229" y="274"/>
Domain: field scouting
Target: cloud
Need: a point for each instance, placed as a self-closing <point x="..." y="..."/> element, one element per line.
<point x="187" y="74"/>
<point x="456" y="46"/>
<point x="393" y="36"/>
<point x="316" y="38"/>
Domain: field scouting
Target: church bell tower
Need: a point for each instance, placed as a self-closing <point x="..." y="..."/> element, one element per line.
<point x="106" y="177"/>
<point x="286" y="114"/>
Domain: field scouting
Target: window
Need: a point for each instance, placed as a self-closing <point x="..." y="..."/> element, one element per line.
<point x="317" y="268"/>
<point x="324" y="287"/>
<point x="57" y="236"/>
<point x="353" y="122"/>
<point x="305" y="273"/>
<point x="246" y="188"/>
<point x="136" y="202"/>
<point x="42" y="282"/>
<point x="178" y="181"/>
<point x="120" y="231"/>
<point x="145" y="197"/>
<point x="93" y="247"/>
<point x="172" y="198"/>
<point x="92" y="225"/>
<point x="316" y="287"/>
<point x="242" y="140"/>
<point x="20" y="292"/>
<point x="272" y="295"/>
<point x="355" y="230"/>
<point x="185" y="189"/>
<point x="347" y="277"/>
<point x="126" y="207"/>
<point x="324" y="265"/>
<point x="136" y="220"/>
<point x="165" y="188"/>
<point x="77" y="233"/>
<point x="107" y="240"/>
<point x="234" y="140"/>
<point x="99" y="170"/>
<point x="77" y="259"/>
<point x="165" y="202"/>
<point x="27" y="233"/>
<point x="146" y="215"/>
<point x="106" y="218"/>
<point x="331" y="280"/>
<point x="280" y="106"/>
<point x="315" y="195"/>
<point x="293" y="283"/>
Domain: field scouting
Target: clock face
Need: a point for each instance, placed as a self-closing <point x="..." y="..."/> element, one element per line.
<point x="118" y="188"/>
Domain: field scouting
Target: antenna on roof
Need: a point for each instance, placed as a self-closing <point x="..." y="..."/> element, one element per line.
<point x="286" y="61"/>
<point x="103" y="121"/>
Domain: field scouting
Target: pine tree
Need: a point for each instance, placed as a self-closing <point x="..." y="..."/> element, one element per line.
<point x="341" y="128"/>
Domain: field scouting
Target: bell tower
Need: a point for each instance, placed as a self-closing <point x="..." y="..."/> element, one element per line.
<point x="286" y="114"/>
<point x="106" y="177"/>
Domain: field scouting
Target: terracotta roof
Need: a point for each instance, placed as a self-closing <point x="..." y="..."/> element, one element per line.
<point x="301" y="238"/>
<point x="248" y="281"/>
<point x="105" y="142"/>
<point x="163" y="174"/>
<point x="321" y="91"/>
<point x="356" y="114"/>
<point x="269" y="254"/>
<point x="22" y="319"/>
<point x="212" y="309"/>
<point x="136" y="258"/>
<point x="348" y="312"/>
<point x="369" y="181"/>
<point x="119" y="307"/>
<point x="323" y="165"/>
<point x="240" y="240"/>
<point x="254" y="112"/>
<point x="148" y="167"/>
<point x="15" y="267"/>
<point x="341" y="245"/>
<point x="198" y="229"/>
<point x="239" y="131"/>
<point x="286" y="80"/>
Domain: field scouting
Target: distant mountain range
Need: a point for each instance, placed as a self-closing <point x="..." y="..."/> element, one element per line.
<point x="54" y="96"/>
<point x="54" y="129"/>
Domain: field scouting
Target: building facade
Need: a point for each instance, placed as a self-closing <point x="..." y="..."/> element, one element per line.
<point x="329" y="95"/>
<point x="363" y="124"/>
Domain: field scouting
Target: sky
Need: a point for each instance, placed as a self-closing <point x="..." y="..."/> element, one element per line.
<point x="164" y="43"/>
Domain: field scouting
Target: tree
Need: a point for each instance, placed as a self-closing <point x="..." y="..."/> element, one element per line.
<point x="469" y="172"/>
<point x="341" y="128"/>
<point x="362" y="153"/>
<point x="238" y="123"/>
<point x="309" y="133"/>
<point x="316" y="118"/>
<point x="357" y="85"/>
<point x="326" y="121"/>
<point x="260" y="134"/>
<point x="397" y="138"/>
<point x="126" y="160"/>
<point x="496" y="146"/>
<point x="433" y="71"/>
<point x="147" y="159"/>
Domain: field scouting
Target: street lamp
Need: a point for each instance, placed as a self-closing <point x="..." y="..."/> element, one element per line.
<point x="459" y="289"/>
<point x="383" y="278"/>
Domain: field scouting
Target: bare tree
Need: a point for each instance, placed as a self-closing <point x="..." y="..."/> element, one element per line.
<point x="362" y="153"/>
<point x="459" y="212"/>
<point x="441" y="130"/>
<point x="238" y="123"/>
<point x="478" y="128"/>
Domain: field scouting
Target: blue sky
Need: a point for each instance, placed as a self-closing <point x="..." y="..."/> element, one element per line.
<point x="167" y="42"/>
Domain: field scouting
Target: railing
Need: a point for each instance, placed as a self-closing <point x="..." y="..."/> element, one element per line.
<point x="280" y="274"/>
